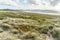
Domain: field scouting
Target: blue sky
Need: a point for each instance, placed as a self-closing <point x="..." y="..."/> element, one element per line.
<point x="30" y="4"/>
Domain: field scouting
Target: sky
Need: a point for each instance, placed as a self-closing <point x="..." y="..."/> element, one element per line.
<point x="30" y="4"/>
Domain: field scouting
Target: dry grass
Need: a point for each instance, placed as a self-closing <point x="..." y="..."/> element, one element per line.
<point x="24" y="26"/>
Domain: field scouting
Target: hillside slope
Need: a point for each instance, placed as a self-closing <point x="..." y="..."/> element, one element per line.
<point x="28" y="26"/>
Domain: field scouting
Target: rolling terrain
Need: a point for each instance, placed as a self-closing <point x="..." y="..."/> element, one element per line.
<point x="15" y="25"/>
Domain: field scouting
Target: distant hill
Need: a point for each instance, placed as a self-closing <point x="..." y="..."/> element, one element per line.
<point x="45" y="11"/>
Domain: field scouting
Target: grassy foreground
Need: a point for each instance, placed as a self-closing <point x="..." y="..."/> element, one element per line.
<point x="15" y="25"/>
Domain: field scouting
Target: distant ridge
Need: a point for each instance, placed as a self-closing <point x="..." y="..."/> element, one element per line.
<point x="8" y="9"/>
<point x="45" y="11"/>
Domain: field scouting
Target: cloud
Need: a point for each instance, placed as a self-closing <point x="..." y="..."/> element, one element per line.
<point x="31" y="1"/>
<point x="54" y="2"/>
<point x="57" y="7"/>
<point x="31" y="4"/>
<point x="37" y="4"/>
<point x="10" y="3"/>
<point x="43" y="4"/>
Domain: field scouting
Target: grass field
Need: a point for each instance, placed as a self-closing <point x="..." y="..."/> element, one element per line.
<point x="17" y="25"/>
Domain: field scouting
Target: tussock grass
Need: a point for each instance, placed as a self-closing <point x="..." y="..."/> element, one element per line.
<point x="23" y="25"/>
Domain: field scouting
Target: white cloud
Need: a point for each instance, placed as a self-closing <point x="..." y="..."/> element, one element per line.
<point x="10" y="3"/>
<point x="57" y="7"/>
<point x="43" y="4"/>
<point x="33" y="4"/>
<point x="38" y="4"/>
